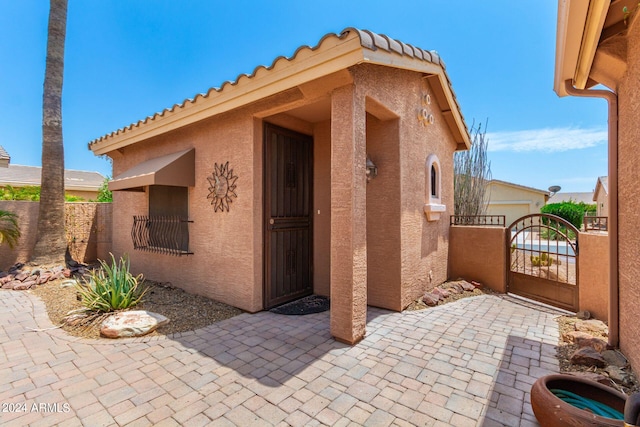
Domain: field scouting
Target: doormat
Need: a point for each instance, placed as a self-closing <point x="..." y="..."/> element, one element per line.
<point x="307" y="305"/>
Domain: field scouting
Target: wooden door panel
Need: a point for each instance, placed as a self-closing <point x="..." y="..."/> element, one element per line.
<point x="288" y="222"/>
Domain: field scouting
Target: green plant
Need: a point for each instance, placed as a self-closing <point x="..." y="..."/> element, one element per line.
<point x="570" y="211"/>
<point x="543" y="260"/>
<point x="9" y="230"/>
<point x="112" y="287"/>
<point x="104" y="194"/>
<point x="30" y="193"/>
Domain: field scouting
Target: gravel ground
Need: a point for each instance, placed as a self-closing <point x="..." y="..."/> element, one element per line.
<point x="186" y="312"/>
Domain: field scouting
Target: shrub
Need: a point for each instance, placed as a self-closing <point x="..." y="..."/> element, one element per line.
<point x="111" y="287"/>
<point x="9" y="230"/>
<point x="569" y="211"/>
<point x="30" y="193"/>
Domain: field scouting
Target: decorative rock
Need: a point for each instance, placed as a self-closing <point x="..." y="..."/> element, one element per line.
<point x="442" y="293"/>
<point x="466" y="286"/>
<point x="68" y="283"/>
<point x="131" y="324"/>
<point x="23" y="286"/>
<point x="12" y="284"/>
<point x="477" y="285"/>
<point x="66" y="272"/>
<point x="430" y="299"/>
<point x="615" y="358"/>
<point x="616" y="374"/>
<point x="22" y="276"/>
<point x="455" y="288"/>
<point x="587" y="356"/>
<point x="583" y="315"/>
<point x="574" y="336"/>
<point x="74" y="319"/>
<point x="598" y="344"/>
<point x="592" y="326"/>
<point x="44" y="277"/>
<point x="6" y="279"/>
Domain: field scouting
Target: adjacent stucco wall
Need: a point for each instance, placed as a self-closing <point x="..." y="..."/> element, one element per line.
<point x="593" y="270"/>
<point x="629" y="199"/>
<point x="511" y="201"/>
<point x="87" y="230"/>
<point x="480" y="254"/>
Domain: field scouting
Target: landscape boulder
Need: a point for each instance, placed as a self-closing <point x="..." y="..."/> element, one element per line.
<point x="131" y="324"/>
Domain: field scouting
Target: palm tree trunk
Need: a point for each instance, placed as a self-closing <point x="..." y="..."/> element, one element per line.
<point x="50" y="243"/>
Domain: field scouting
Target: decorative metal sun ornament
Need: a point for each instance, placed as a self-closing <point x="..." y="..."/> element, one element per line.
<point x="222" y="187"/>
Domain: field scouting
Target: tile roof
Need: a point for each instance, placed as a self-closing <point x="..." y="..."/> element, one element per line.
<point x="604" y="181"/>
<point x="585" y="197"/>
<point x="3" y="154"/>
<point x="497" y="181"/>
<point x="19" y="176"/>
<point x="368" y="40"/>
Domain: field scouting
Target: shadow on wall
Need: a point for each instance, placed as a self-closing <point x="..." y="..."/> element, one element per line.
<point x="88" y="231"/>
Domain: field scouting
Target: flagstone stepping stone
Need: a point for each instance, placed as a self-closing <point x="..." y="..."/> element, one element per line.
<point x="131" y="324"/>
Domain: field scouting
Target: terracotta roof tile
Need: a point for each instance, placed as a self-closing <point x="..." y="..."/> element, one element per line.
<point x="368" y="40"/>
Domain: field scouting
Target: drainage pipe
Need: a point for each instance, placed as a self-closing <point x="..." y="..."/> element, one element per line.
<point x="612" y="101"/>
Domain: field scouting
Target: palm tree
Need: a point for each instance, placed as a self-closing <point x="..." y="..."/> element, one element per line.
<point x="9" y="230"/>
<point x="50" y="243"/>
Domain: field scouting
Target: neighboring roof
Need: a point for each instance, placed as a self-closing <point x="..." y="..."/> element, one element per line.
<point x="20" y="176"/>
<point x="602" y="183"/>
<point x="585" y="197"/>
<point x="334" y="52"/>
<point x="5" y="158"/>
<point x="523" y="187"/>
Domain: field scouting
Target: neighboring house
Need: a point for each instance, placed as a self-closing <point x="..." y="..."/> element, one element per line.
<point x="598" y="42"/>
<point x="5" y="159"/>
<point x="83" y="184"/>
<point x="578" y="197"/>
<point x="329" y="172"/>
<point x="513" y="200"/>
<point x="600" y="196"/>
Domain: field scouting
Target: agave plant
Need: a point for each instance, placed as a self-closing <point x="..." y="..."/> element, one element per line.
<point x="111" y="287"/>
<point x="9" y="230"/>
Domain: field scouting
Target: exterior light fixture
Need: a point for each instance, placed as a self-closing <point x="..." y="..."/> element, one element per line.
<point x="372" y="169"/>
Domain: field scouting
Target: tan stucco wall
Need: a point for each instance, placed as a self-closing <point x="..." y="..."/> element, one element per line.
<point x="513" y="202"/>
<point x="629" y="199"/>
<point x="593" y="270"/>
<point x="602" y="203"/>
<point x="480" y="254"/>
<point x="88" y="231"/>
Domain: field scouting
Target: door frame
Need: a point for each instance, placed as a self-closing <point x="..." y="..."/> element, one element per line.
<point x="267" y="262"/>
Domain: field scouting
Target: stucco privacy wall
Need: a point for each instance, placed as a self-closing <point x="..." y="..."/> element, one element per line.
<point x="593" y="270"/>
<point x="88" y="231"/>
<point x="629" y="198"/>
<point x="480" y="254"/>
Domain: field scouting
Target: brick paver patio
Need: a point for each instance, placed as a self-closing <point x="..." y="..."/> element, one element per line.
<point x="468" y="363"/>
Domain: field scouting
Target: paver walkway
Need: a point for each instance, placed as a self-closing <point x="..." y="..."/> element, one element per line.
<point x="468" y="363"/>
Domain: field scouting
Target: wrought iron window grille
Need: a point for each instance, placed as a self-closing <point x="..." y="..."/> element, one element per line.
<point x="168" y="235"/>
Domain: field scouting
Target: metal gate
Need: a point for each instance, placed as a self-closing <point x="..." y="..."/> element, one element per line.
<point x="543" y="260"/>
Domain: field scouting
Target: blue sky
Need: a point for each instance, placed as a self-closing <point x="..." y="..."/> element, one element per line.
<point x="126" y="60"/>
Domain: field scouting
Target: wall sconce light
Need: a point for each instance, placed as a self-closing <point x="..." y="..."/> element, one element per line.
<point x="372" y="169"/>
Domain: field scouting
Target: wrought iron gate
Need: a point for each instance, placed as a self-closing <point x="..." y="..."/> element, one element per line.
<point x="543" y="260"/>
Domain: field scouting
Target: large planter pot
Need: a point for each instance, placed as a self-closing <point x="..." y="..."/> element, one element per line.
<point x="551" y="411"/>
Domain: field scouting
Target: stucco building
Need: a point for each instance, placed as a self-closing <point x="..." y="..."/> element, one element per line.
<point x="329" y="172"/>
<point x="513" y="200"/>
<point x="600" y="196"/>
<point x="598" y="42"/>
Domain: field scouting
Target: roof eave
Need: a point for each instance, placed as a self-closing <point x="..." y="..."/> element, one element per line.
<point x="579" y="28"/>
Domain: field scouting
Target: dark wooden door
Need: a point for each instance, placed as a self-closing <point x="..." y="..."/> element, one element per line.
<point x="288" y="163"/>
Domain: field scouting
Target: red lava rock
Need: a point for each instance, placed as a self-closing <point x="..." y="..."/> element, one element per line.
<point x="6" y="279"/>
<point x="455" y="288"/>
<point x="477" y="285"/>
<point x="430" y="299"/>
<point x="66" y="272"/>
<point x="466" y="286"/>
<point x="23" y="286"/>
<point x="10" y="284"/>
<point x="22" y="276"/>
<point x="574" y="336"/>
<point x="43" y="278"/>
<point x="592" y="376"/>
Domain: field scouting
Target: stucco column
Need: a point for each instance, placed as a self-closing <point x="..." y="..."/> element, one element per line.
<point x="348" y="216"/>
